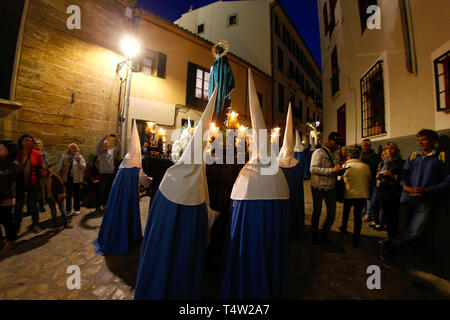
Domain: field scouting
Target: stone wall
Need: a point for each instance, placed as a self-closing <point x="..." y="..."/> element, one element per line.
<point x="66" y="80"/>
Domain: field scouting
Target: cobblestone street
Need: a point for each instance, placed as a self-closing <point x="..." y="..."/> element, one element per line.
<point x="36" y="269"/>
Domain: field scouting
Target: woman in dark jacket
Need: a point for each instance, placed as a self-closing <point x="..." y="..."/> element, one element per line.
<point x="30" y="162"/>
<point x="8" y="172"/>
<point x="388" y="182"/>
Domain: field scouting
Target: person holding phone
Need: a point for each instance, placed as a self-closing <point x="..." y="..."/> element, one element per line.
<point x="105" y="154"/>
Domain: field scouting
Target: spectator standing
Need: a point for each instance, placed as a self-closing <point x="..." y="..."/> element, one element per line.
<point x="93" y="175"/>
<point x="55" y="193"/>
<point x="357" y="180"/>
<point x="9" y="168"/>
<point x="39" y="145"/>
<point x="425" y="176"/>
<point x="324" y="169"/>
<point x="30" y="162"/>
<point x="388" y="184"/>
<point x="71" y="168"/>
<point x="106" y="165"/>
<point x="375" y="208"/>
<point x="372" y="159"/>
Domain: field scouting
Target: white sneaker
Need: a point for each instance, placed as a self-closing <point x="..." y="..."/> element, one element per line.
<point x="76" y="213"/>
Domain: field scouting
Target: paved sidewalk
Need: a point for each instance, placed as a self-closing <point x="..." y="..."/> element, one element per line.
<point x="36" y="269"/>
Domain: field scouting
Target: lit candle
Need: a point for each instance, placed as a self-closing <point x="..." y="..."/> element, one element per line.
<point x="232" y="121"/>
<point x="275" y="134"/>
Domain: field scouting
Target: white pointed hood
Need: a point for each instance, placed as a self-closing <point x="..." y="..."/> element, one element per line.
<point x="257" y="181"/>
<point x="286" y="158"/>
<point x="185" y="182"/>
<point x="133" y="158"/>
<point x="299" y="147"/>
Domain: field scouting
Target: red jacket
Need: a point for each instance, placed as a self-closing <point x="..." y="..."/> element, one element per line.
<point x="36" y="161"/>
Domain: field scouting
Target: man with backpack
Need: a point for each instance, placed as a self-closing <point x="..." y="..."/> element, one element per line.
<point x="425" y="176"/>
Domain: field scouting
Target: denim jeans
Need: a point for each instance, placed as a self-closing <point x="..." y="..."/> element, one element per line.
<point x="32" y="206"/>
<point x="366" y="207"/>
<point x="52" y="204"/>
<point x="330" y="201"/>
<point x="375" y="209"/>
<point x="414" y="214"/>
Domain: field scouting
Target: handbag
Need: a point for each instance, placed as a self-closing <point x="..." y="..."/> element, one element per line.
<point x="339" y="183"/>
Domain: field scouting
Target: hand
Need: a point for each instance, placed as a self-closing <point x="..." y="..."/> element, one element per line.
<point x="145" y="145"/>
<point x="78" y="159"/>
<point x="387" y="173"/>
<point x="336" y="169"/>
<point x="413" y="192"/>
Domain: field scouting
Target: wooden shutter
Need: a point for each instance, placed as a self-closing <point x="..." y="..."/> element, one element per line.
<point x="162" y="59"/>
<point x="190" y="84"/>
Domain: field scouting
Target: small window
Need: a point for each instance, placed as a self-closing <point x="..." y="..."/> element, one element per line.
<point x="363" y="15"/>
<point x="280" y="60"/>
<point x="201" y="28"/>
<point x="442" y="76"/>
<point x="277" y="25"/>
<point x="184" y="123"/>
<point x="232" y="20"/>
<point x="197" y="86"/>
<point x="152" y="63"/>
<point x="372" y="101"/>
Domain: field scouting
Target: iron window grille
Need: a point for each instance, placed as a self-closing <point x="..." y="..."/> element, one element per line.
<point x="442" y="77"/>
<point x="373" y="102"/>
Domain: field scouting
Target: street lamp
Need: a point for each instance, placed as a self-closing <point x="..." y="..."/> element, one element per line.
<point x="130" y="49"/>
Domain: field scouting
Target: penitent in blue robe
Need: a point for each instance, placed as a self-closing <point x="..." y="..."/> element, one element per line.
<point x="294" y="177"/>
<point x="121" y="225"/>
<point x="255" y="265"/>
<point x="173" y="251"/>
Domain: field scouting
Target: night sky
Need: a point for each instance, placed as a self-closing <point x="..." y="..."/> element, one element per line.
<point x="303" y="14"/>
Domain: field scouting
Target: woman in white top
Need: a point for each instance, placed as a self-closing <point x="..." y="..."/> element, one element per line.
<point x="357" y="178"/>
<point x="71" y="168"/>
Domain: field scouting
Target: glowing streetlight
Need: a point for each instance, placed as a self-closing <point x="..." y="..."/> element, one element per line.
<point x="130" y="47"/>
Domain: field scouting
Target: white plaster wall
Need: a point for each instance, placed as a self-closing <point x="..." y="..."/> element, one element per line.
<point x="249" y="39"/>
<point x="410" y="98"/>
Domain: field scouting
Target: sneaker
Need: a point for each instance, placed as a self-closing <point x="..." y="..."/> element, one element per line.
<point x="343" y="231"/>
<point x="76" y="213"/>
<point x="378" y="227"/>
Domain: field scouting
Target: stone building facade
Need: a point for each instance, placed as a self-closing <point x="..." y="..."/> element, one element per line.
<point x="64" y="84"/>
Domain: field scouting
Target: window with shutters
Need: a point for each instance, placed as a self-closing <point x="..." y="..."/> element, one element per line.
<point x="197" y="86"/>
<point x="442" y="75"/>
<point x="372" y="101"/>
<point x="151" y="63"/>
